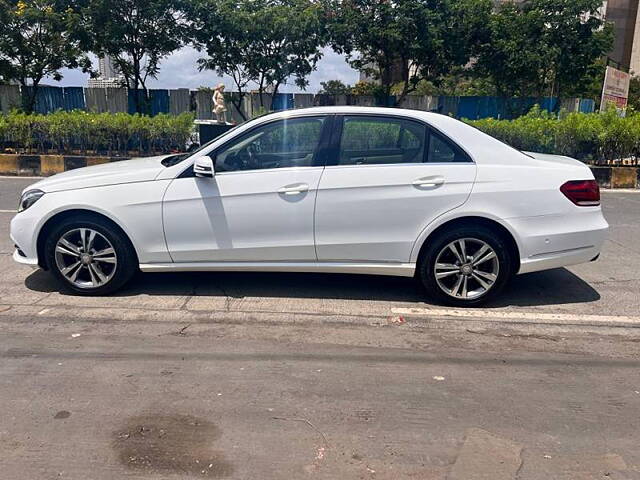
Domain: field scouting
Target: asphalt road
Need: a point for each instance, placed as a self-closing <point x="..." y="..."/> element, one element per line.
<point x="273" y="376"/>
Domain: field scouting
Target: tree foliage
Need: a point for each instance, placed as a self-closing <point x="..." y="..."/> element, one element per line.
<point x="261" y="43"/>
<point x="38" y="38"/>
<point x="420" y="39"/>
<point x="334" y="87"/>
<point x="544" y="47"/>
<point x="634" y="93"/>
<point x="137" y="34"/>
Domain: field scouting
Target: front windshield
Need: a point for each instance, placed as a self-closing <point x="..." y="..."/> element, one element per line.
<point x="175" y="159"/>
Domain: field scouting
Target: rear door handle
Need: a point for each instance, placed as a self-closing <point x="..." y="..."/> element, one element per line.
<point x="294" y="189"/>
<point x="434" y="181"/>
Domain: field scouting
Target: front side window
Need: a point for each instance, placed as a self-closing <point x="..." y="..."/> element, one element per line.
<point x="381" y="140"/>
<point x="280" y="144"/>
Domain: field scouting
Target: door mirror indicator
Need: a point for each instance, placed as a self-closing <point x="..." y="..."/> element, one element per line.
<point x="203" y="167"/>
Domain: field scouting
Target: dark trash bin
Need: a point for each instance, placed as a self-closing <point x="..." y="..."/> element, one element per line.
<point x="210" y="129"/>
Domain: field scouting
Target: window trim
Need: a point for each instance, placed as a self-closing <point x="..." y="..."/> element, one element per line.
<point x="317" y="161"/>
<point x="336" y="138"/>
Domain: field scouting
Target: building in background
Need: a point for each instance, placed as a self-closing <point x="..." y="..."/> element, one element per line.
<point x="108" y="77"/>
<point x="625" y="16"/>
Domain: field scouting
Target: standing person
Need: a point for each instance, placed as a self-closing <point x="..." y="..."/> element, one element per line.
<point x="219" y="108"/>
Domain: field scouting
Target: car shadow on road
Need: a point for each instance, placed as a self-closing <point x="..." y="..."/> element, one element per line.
<point x="553" y="287"/>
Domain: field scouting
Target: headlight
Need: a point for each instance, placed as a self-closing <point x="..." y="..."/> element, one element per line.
<point x="29" y="198"/>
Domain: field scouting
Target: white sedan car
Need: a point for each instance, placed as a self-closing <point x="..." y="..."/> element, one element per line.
<point x="333" y="189"/>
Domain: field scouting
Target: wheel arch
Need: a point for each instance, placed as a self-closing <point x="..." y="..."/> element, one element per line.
<point x="70" y="213"/>
<point x="469" y="220"/>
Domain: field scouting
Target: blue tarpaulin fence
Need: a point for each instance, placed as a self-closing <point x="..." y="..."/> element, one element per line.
<point x="474" y="108"/>
<point x="50" y="99"/>
<point x="156" y="102"/>
<point x="159" y="101"/>
<point x="283" y="101"/>
<point x="73" y="98"/>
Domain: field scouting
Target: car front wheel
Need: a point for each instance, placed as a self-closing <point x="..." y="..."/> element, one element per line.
<point x="466" y="266"/>
<point x="89" y="256"/>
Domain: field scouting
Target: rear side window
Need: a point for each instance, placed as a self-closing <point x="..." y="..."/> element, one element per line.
<point x="443" y="150"/>
<point x="381" y="140"/>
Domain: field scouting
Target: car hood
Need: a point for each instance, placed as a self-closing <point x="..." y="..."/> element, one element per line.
<point x="127" y="171"/>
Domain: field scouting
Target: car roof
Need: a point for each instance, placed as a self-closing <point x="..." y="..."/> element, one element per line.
<point x="347" y="109"/>
<point x="441" y="122"/>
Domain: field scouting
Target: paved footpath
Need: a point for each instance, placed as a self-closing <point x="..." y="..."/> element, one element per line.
<point x="272" y="376"/>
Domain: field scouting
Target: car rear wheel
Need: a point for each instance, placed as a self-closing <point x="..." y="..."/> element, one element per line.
<point x="89" y="256"/>
<point x="466" y="266"/>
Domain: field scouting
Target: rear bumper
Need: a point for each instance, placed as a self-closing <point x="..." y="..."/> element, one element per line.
<point x="559" y="259"/>
<point x="555" y="241"/>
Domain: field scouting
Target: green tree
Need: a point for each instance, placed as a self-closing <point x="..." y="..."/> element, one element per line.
<point x="577" y="36"/>
<point x="634" y="93"/>
<point x="137" y="34"/>
<point x="371" y="89"/>
<point x="266" y="43"/>
<point x="334" y="87"/>
<point x="544" y="47"/>
<point x="407" y="41"/>
<point x="221" y="30"/>
<point x="288" y="44"/>
<point x="38" y="38"/>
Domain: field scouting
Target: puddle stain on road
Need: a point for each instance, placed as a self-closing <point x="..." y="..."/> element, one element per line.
<point x="171" y="444"/>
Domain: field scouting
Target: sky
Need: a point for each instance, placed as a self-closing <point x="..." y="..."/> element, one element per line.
<point x="180" y="71"/>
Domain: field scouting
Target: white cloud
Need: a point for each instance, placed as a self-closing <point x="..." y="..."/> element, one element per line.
<point x="180" y="70"/>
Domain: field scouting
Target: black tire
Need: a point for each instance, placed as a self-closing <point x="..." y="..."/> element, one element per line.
<point x="427" y="264"/>
<point x="124" y="270"/>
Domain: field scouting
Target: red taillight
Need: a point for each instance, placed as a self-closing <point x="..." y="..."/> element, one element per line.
<point x="584" y="193"/>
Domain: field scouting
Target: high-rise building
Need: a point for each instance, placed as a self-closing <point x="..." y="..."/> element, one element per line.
<point x="108" y="76"/>
<point x="106" y="68"/>
<point x="624" y="14"/>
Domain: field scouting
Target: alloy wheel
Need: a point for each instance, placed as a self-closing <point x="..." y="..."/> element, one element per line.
<point x="466" y="268"/>
<point x="85" y="258"/>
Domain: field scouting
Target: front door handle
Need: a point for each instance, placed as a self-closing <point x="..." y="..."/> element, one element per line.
<point x="294" y="189"/>
<point x="434" y="181"/>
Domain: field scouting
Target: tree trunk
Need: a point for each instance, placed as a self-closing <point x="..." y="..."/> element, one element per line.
<point x="136" y="82"/>
<point x="261" y="92"/>
<point x="273" y="96"/>
<point x="30" y="103"/>
<point x="237" y="103"/>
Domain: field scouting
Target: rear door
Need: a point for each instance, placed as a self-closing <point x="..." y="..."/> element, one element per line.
<point x="387" y="178"/>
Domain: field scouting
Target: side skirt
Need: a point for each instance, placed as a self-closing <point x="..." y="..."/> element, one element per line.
<point x="393" y="269"/>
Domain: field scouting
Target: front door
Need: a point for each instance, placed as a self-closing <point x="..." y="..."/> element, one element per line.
<point x="258" y="206"/>
<point x="390" y="178"/>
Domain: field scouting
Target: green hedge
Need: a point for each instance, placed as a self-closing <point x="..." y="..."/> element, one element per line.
<point x="105" y="133"/>
<point x="592" y="137"/>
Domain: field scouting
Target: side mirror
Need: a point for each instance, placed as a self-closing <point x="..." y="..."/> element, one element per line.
<point x="203" y="167"/>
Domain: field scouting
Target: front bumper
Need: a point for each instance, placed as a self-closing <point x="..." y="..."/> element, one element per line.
<point x="23" y="234"/>
<point x="32" y="262"/>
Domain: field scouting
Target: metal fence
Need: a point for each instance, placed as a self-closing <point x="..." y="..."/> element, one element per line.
<point x="114" y="100"/>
